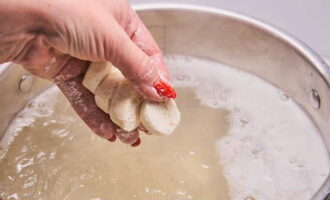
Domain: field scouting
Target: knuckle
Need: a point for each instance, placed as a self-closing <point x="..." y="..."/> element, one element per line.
<point x="147" y="72"/>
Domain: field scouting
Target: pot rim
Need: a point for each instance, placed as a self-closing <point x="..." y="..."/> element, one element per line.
<point x="307" y="52"/>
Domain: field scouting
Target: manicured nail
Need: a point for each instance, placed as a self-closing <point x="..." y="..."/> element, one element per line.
<point x="136" y="143"/>
<point x="112" y="139"/>
<point x="165" y="90"/>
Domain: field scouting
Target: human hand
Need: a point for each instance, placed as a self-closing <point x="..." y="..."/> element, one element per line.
<point x="54" y="40"/>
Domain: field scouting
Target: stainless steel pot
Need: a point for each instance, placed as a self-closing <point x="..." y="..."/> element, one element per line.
<point x="218" y="35"/>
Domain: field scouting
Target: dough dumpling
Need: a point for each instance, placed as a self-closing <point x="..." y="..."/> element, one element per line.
<point x="160" y="118"/>
<point x="125" y="106"/>
<point x="106" y="90"/>
<point x="117" y="96"/>
<point x="96" y="72"/>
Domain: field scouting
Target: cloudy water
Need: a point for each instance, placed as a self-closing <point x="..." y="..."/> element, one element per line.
<point x="240" y="138"/>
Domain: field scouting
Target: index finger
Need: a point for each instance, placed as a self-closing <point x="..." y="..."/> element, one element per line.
<point x="140" y="35"/>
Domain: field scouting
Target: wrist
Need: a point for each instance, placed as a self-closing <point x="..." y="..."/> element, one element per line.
<point x="20" y="21"/>
<point x="22" y="15"/>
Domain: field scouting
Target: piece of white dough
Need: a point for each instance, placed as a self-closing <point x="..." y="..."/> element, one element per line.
<point x="118" y="97"/>
<point x="107" y="88"/>
<point x="104" y="92"/>
<point x="160" y="118"/>
<point x="96" y="72"/>
<point x="125" y="106"/>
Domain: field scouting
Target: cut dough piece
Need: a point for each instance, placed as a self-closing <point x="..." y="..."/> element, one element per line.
<point x="125" y="106"/>
<point x="160" y="118"/>
<point x="96" y="72"/>
<point x="106" y="90"/>
<point x="118" y="97"/>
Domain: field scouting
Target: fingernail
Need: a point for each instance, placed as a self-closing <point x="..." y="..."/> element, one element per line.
<point x="112" y="139"/>
<point x="165" y="90"/>
<point x="136" y="143"/>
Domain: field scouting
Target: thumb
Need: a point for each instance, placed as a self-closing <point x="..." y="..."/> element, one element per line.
<point x="143" y="70"/>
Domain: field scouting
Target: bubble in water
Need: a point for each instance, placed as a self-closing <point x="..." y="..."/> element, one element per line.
<point x="227" y="90"/>
<point x="41" y="154"/>
<point x="187" y="58"/>
<point x="174" y="58"/>
<point x="244" y="122"/>
<point x="60" y="132"/>
<point x="300" y="165"/>
<point x="246" y="139"/>
<point x="255" y="151"/>
<point x="11" y="178"/>
<point x="181" y="192"/>
<point x="284" y="97"/>
<point x="215" y="104"/>
<point x="249" y="198"/>
<point x="52" y="156"/>
<point x="13" y="196"/>
<point x="205" y="166"/>
<point x="63" y="120"/>
<point x="181" y="77"/>
<point x="147" y="190"/>
<point x="296" y="163"/>
<point x="181" y="157"/>
<point x="25" y="162"/>
<point x="227" y="141"/>
<point x="237" y="110"/>
<point x="324" y="174"/>
<point x="31" y="104"/>
<point x="41" y="104"/>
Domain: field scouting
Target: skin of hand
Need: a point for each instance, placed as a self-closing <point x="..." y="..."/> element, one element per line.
<point x="57" y="40"/>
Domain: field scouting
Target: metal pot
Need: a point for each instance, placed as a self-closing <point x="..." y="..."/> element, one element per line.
<point x="218" y="35"/>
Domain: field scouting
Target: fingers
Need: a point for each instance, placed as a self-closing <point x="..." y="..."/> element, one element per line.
<point x="143" y="39"/>
<point x="132" y="138"/>
<point x="140" y="35"/>
<point x="69" y="80"/>
<point x="135" y="64"/>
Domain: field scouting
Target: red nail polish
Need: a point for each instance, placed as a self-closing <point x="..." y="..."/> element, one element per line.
<point x="112" y="139"/>
<point x="136" y="143"/>
<point x="165" y="90"/>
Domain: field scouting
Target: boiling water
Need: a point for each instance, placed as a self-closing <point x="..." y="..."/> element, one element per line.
<point x="240" y="138"/>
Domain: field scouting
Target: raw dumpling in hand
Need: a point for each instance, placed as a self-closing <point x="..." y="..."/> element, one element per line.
<point x="125" y="106"/>
<point x="96" y="72"/>
<point x="107" y="88"/>
<point x="160" y="118"/>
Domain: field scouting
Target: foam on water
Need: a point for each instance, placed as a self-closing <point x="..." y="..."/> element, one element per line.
<point x="41" y="106"/>
<point x="273" y="150"/>
<point x="238" y="135"/>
